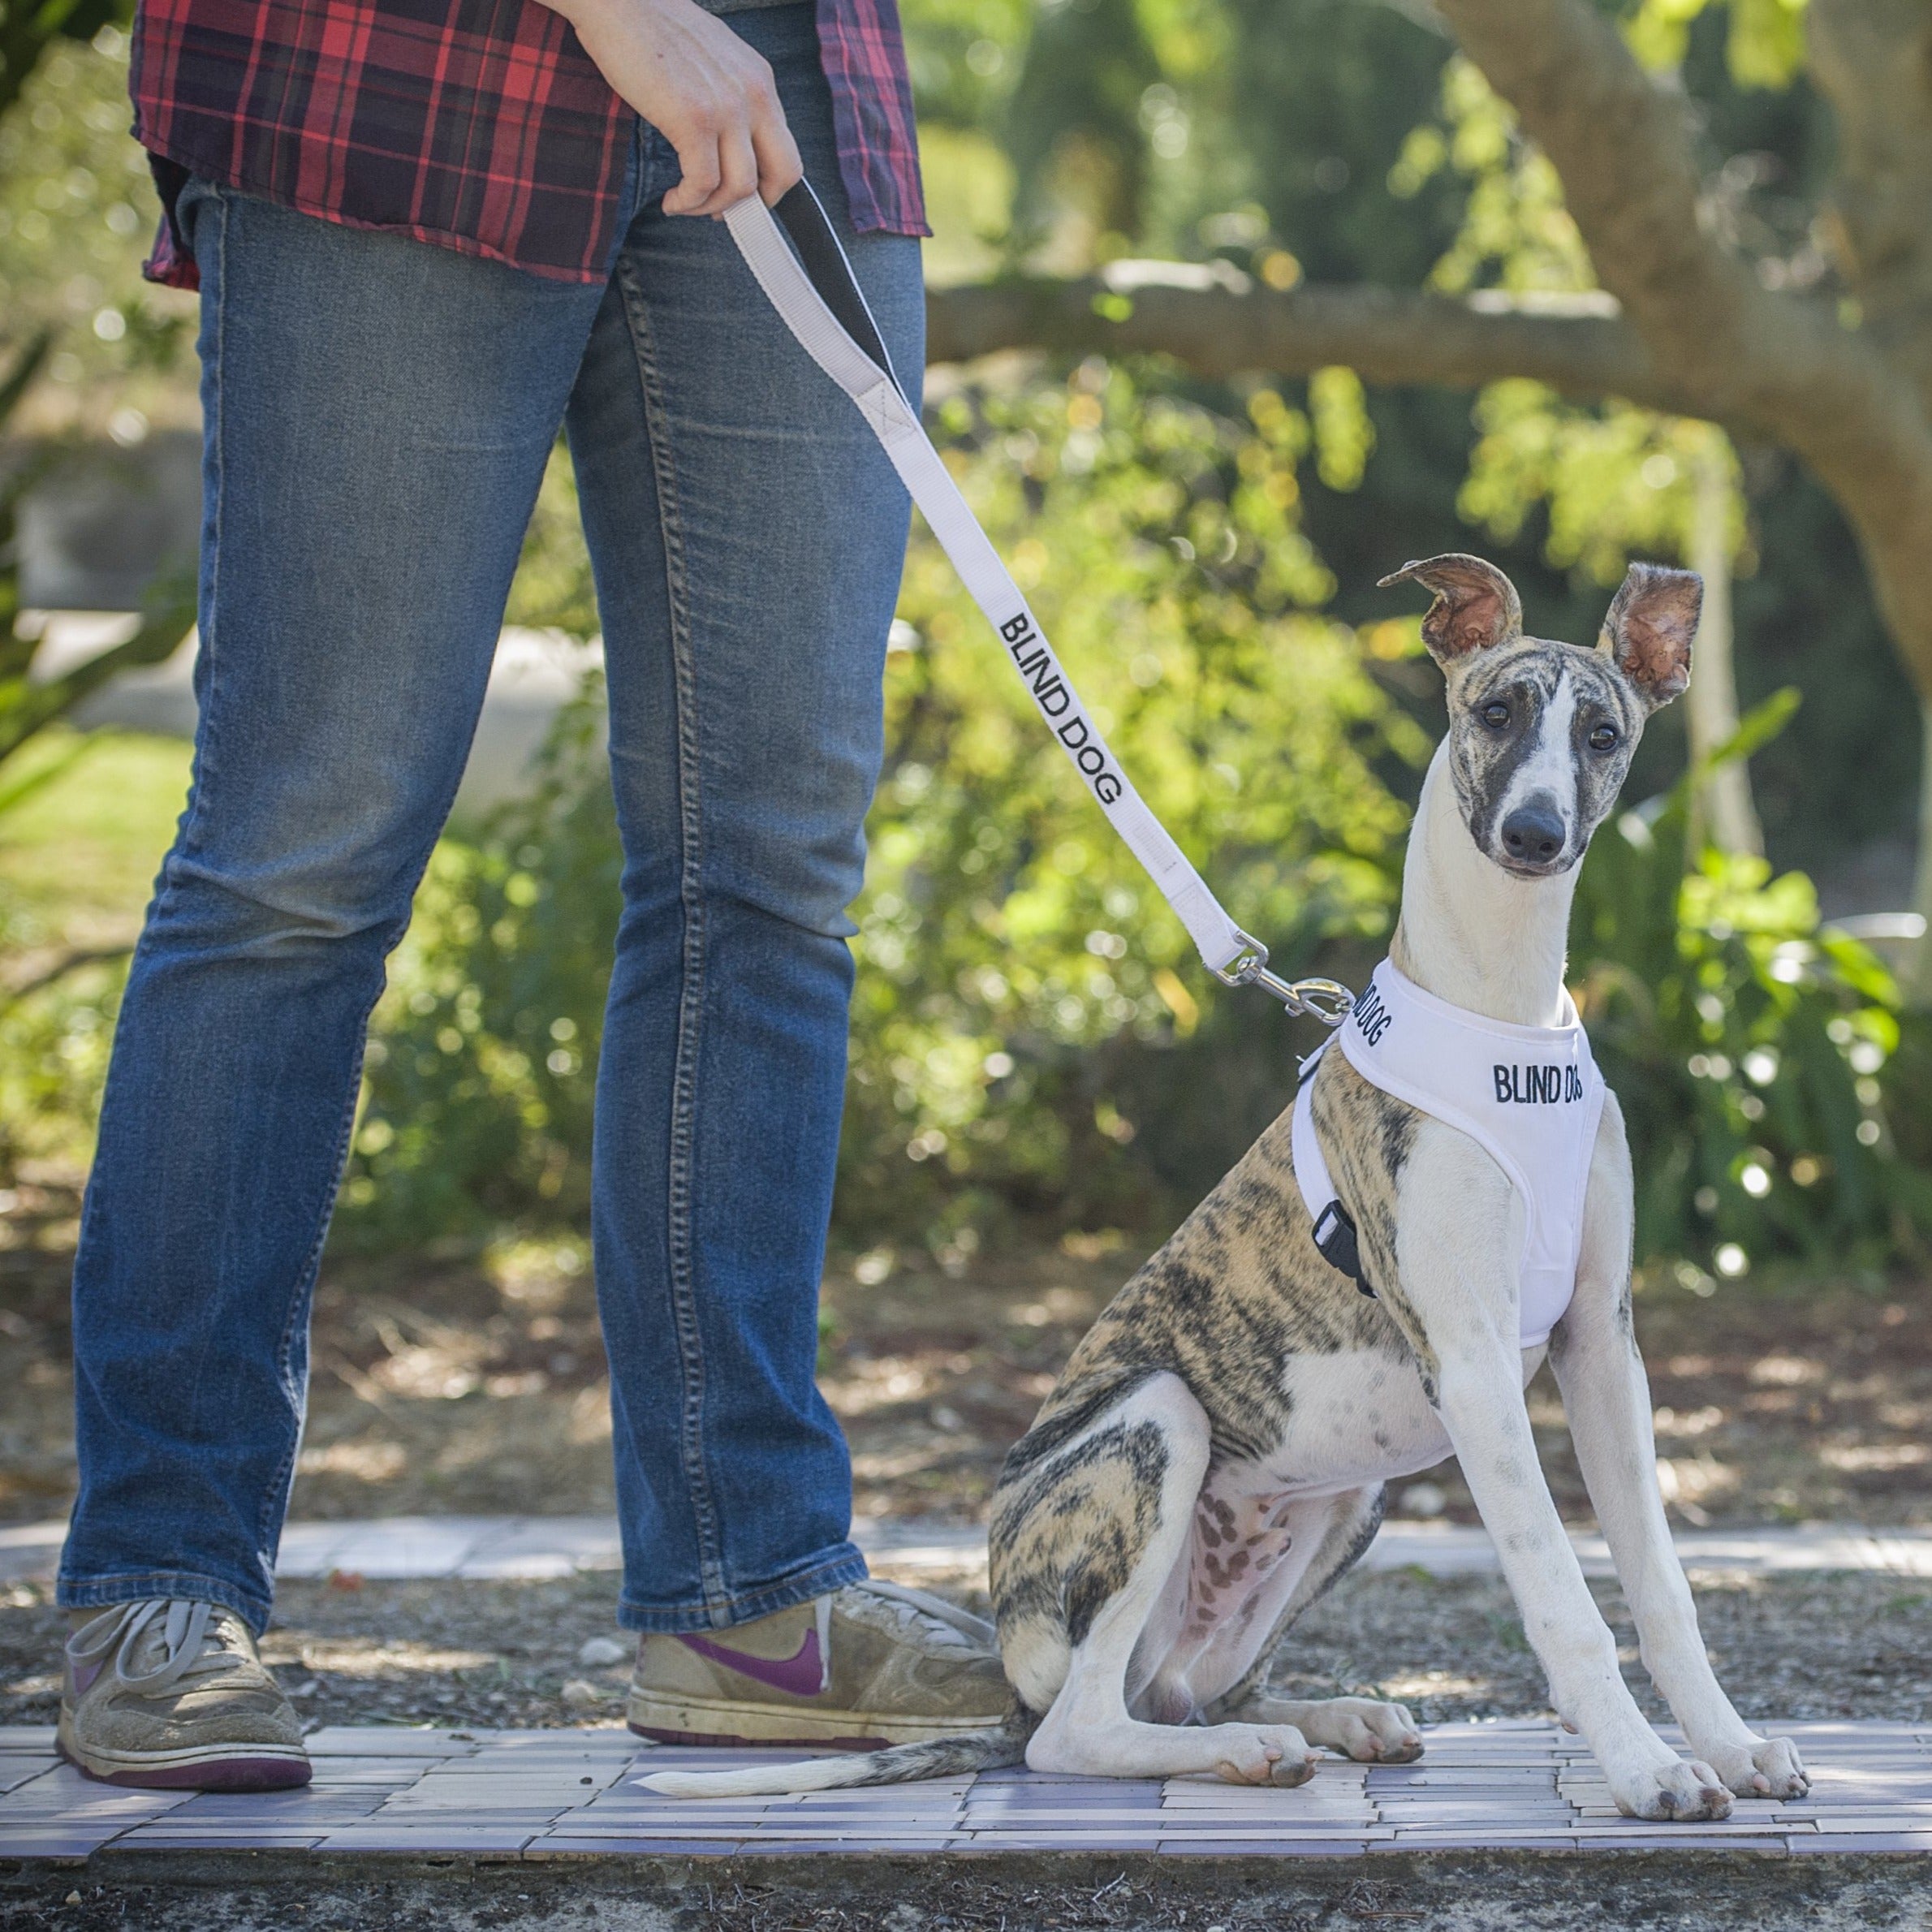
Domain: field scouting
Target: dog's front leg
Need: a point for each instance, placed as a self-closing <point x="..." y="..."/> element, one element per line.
<point x="1606" y="1396"/>
<point x="1454" y="1247"/>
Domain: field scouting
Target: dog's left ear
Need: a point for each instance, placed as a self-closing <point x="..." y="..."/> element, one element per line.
<point x="1648" y="631"/>
<point x="1475" y="607"/>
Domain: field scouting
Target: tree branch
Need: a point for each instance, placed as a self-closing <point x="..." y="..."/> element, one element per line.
<point x="1218" y="322"/>
<point x="1622" y="144"/>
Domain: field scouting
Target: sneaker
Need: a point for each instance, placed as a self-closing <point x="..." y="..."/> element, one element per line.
<point x="170" y="1693"/>
<point x="868" y="1666"/>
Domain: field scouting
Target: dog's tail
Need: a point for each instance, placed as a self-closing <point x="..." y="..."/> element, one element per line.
<point x="901" y="1764"/>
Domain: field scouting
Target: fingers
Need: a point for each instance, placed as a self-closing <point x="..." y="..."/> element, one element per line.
<point x="736" y="176"/>
<point x="779" y="168"/>
<point x="739" y="146"/>
<point x="699" y="169"/>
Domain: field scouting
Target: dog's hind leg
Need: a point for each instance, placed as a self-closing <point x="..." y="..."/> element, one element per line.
<point x="1363" y="1728"/>
<point x="1132" y="1540"/>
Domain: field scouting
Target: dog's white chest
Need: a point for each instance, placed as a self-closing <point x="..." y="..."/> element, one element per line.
<point x="1354" y="1419"/>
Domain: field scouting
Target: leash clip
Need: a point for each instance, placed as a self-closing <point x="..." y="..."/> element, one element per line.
<point x="1326" y="1000"/>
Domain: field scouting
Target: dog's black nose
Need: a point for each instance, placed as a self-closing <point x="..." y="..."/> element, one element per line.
<point x="1533" y="835"/>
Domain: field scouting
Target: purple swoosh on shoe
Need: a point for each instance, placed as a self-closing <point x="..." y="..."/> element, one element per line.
<point x="800" y="1676"/>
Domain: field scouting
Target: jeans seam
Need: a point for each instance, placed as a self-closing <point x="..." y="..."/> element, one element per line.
<point x="684" y="1097"/>
<point x="208" y="642"/>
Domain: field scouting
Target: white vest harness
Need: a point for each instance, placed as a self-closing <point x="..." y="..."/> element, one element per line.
<point x="1530" y="1097"/>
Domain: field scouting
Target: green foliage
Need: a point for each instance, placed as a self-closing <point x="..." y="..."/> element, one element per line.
<point x="55" y="1033"/>
<point x="28" y="29"/>
<point x="1745" y="1039"/>
<point x="77" y="209"/>
<point x="1516" y="232"/>
<point x="1764" y="43"/>
<point x="1610" y="482"/>
<point x="27" y="708"/>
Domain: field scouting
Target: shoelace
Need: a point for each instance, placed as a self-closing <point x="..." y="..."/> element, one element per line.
<point x="956" y="1629"/>
<point x="189" y="1647"/>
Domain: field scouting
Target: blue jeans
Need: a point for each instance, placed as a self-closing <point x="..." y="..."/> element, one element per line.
<point x="378" y="414"/>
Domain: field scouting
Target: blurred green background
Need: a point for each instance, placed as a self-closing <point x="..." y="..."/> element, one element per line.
<point x="1035" y="1049"/>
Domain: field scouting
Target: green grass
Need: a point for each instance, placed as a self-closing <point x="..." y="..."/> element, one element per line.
<point x="78" y="858"/>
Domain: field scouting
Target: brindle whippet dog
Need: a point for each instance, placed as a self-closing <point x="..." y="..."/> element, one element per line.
<point x="1214" y="1455"/>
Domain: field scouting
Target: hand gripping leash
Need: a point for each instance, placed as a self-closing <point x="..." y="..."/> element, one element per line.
<point x="815" y="294"/>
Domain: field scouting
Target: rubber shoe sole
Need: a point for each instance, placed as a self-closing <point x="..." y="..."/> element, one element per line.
<point x="720" y="1725"/>
<point x="207" y="1767"/>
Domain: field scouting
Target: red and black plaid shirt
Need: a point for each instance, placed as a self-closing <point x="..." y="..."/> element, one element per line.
<point x="480" y="125"/>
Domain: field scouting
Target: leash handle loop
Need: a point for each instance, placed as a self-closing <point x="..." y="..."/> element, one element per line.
<point x="796" y="255"/>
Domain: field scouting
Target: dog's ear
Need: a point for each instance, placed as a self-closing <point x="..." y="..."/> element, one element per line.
<point x="1475" y="607"/>
<point x="1648" y="631"/>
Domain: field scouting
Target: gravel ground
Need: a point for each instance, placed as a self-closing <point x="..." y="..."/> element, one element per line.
<point x="510" y="1654"/>
<point x="1611" y="1892"/>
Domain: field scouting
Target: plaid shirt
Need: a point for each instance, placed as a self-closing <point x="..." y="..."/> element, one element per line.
<point x="480" y="125"/>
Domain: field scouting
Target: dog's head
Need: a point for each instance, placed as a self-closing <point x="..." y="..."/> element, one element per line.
<point x="1541" y="734"/>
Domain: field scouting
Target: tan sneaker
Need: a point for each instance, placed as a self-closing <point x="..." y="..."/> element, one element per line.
<point x="870" y="1665"/>
<point x="170" y="1693"/>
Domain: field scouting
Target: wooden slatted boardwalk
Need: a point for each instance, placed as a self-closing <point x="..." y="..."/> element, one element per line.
<point x="543" y="1794"/>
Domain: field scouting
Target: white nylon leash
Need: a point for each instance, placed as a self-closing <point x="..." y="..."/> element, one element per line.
<point x="810" y="283"/>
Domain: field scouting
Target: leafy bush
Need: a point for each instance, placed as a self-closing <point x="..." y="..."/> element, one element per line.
<point x="1031" y="1032"/>
<point x="1745" y="1040"/>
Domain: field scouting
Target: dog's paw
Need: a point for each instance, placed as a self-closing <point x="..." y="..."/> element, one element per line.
<point x="1766" y="1767"/>
<point x="1361" y="1728"/>
<point x="1675" y="1793"/>
<point x="1263" y="1754"/>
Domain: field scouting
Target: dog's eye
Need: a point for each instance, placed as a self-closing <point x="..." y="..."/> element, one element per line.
<point x="1604" y="738"/>
<point x="1495" y="714"/>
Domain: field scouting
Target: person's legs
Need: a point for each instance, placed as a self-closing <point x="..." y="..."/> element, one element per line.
<point x="747" y="534"/>
<point x="378" y="414"/>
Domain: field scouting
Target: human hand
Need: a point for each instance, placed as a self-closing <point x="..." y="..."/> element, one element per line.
<point x="708" y="94"/>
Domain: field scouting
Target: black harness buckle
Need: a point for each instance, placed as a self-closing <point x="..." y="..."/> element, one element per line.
<point x="1335" y="1242"/>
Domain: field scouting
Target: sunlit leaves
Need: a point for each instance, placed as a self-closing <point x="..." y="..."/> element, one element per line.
<point x="1614" y="481"/>
<point x="1344" y="437"/>
<point x="1764" y="42"/>
<point x="77" y="212"/>
<point x="1517" y="233"/>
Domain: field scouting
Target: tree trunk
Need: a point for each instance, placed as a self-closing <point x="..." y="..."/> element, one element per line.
<point x="1725" y="813"/>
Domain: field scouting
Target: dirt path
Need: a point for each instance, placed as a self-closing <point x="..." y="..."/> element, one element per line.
<point x="479" y="1384"/>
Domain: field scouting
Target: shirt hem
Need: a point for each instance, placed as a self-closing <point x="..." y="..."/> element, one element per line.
<point x="174" y="271"/>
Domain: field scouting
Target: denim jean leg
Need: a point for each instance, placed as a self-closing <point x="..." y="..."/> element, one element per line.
<point x="378" y="414"/>
<point x="748" y="535"/>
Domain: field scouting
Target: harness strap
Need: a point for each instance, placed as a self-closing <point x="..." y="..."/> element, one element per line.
<point x="819" y="299"/>
<point x="1334" y="1232"/>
